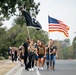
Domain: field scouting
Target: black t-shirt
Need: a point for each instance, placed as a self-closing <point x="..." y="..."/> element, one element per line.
<point x="25" y="47"/>
<point x="15" y="53"/>
<point x="55" y="47"/>
<point x="51" y="49"/>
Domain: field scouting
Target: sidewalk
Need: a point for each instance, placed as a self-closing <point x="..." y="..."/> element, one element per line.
<point x="22" y="71"/>
<point x="7" y="67"/>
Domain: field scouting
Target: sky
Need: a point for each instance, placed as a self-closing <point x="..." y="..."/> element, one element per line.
<point x="63" y="10"/>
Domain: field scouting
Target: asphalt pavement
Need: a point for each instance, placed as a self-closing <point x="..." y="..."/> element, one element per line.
<point x="63" y="67"/>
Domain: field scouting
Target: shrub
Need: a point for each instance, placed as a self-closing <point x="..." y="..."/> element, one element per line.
<point x="2" y="58"/>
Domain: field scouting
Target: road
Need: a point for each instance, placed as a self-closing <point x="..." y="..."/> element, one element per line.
<point x="63" y="67"/>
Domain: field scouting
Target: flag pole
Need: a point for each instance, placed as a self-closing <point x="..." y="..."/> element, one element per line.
<point x="49" y="52"/>
<point x="28" y="32"/>
<point x="24" y="9"/>
<point x="49" y="47"/>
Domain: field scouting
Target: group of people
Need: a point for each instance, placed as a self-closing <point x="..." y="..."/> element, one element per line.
<point x="13" y="54"/>
<point x="35" y="54"/>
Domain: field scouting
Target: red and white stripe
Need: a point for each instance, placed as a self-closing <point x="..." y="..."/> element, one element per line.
<point x="58" y="27"/>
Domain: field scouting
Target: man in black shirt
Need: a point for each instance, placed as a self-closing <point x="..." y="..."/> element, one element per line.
<point x="25" y="45"/>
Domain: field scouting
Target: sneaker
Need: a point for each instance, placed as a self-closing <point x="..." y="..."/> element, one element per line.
<point x="42" y="68"/>
<point x="32" y="69"/>
<point x="53" y="68"/>
<point x="39" y="68"/>
<point x="47" y="67"/>
<point x="22" y="65"/>
<point x="26" y="69"/>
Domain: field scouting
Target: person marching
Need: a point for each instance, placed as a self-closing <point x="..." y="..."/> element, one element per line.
<point x="31" y="54"/>
<point x="51" y="50"/>
<point x="41" y="53"/>
<point x="15" y="55"/>
<point x="12" y="53"/>
<point x="25" y="45"/>
<point x="35" y="56"/>
<point x="22" y="56"/>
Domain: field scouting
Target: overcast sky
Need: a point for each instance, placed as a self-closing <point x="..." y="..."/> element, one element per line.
<point x="64" y="10"/>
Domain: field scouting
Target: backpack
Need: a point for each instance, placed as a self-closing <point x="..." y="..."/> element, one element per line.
<point x="41" y="51"/>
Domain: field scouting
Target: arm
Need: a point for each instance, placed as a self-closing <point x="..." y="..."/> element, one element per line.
<point x="54" y="50"/>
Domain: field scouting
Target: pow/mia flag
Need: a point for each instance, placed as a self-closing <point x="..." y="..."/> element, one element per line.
<point x="31" y="21"/>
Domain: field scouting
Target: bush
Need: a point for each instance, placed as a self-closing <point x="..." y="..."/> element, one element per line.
<point x="6" y="57"/>
<point x="2" y="58"/>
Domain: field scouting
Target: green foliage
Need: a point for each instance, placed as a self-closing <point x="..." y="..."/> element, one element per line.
<point x="64" y="50"/>
<point x="74" y="46"/>
<point x="70" y="52"/>
<point x="20" y="20"/>
<point x="2" y="58"/>
<point x="8" y="7"/>
<point x="59" y="48"/>
<point x="67" y="41"/>
<point x="16" y="35"/>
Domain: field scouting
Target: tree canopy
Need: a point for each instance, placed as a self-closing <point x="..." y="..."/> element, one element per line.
<point x="8" y="7"/>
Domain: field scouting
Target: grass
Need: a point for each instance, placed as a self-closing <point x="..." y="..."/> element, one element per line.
<point x="5" y="67"/>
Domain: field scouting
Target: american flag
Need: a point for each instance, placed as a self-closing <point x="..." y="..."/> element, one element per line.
<point x="57" y="25"/>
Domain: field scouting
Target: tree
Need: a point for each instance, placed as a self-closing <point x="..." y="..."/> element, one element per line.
<point x="74" y="46"/>
<point x="20" y="20"/>
<point x="1" y="20"/>
<point x="67" y="41"/>
<point x="59" y="48"/>
<point x="3" y="41"/>
<point x="8" y="7"/>
<point x="70" y="52"/>
<point x="2" y="30"/>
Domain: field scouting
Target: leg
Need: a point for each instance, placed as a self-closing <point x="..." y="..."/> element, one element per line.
<point x="54" y="62"/>
<point x="12" y="57"/>
<point x="39" y="62"/>
<point x="42" y="61"/>
<point x="35" y="60"/>
<point x="51" y="62"/>
<point x="22" y="62"/>
<point x="30" y="62"/>
<point x="25" y="62"/>
<point x="47" y="62"/>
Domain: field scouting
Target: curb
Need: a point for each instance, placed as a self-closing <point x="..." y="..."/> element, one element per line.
<point x="13" y="70"/>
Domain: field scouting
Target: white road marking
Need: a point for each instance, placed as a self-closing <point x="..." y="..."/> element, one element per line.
<point x="19" y="71"/>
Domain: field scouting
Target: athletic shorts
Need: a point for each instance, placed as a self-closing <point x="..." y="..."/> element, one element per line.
<point x="40" y="56"/>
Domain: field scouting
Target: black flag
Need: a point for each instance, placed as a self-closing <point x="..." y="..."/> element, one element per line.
<point x="31" y="21"/>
